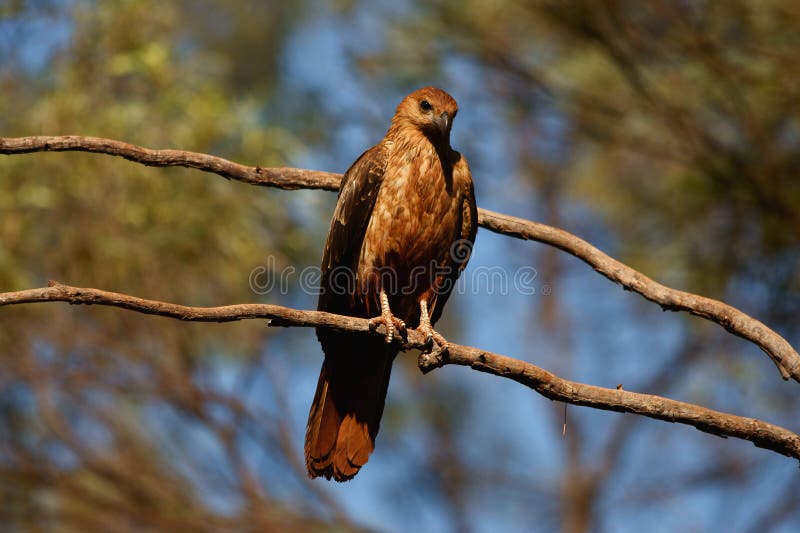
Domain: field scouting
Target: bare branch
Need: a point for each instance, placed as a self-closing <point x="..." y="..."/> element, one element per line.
<point x="732" y="319"/>
<point x="760" y="433"/>
<point x="279" y="177"/>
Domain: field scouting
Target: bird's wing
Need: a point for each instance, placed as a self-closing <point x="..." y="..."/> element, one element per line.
<point x="464" y="234"/>
<point x="349" y="224"/>
<point x="348" y="404"/>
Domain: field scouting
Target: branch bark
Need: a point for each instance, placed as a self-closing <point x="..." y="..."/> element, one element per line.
<point x="782" y="354"/>
<point x="761" y="434"/>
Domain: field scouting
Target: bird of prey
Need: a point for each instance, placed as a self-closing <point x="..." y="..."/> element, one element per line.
<point x="401" y="234"/>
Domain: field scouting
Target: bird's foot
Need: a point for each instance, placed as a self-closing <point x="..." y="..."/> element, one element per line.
<point x="392" y="324"/>
<point x="433" y="339"/>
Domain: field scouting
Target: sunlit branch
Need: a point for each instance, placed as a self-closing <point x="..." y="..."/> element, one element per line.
<point x="732" y="319"/>
<point x="760" y="433"/>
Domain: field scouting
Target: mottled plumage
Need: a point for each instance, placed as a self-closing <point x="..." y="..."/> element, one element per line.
<point x="404" y="224"/>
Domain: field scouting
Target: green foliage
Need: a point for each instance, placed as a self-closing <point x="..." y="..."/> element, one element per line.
<point x="133" y="71"/>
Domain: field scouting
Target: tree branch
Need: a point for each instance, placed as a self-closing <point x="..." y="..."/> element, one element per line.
<point x="732" y="319"/>
<point x="761" y="434"/>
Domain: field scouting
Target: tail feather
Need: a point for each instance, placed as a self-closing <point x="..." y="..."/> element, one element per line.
<point x="347" y="408"/>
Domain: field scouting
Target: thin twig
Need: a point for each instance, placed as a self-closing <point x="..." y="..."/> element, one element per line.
<point x="760" y="433"/>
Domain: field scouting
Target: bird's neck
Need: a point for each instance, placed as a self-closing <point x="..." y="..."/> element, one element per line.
<point x="411" y="135"/>
<point x="412" y="140"/>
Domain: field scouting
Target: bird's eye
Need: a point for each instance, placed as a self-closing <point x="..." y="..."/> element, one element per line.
<point x="425" y="105"/>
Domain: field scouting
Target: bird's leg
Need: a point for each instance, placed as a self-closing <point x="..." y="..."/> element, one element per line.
<point x="431" y="335"/>
<point x="392" y="323"/>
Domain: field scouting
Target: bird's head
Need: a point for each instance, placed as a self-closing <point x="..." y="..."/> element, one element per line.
<point x="430" y="110"/>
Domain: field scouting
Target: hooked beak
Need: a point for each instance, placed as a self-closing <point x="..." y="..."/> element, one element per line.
<point x="443" y="123"/>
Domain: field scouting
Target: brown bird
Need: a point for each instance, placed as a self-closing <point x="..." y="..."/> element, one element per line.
<point x="401" y="234"/>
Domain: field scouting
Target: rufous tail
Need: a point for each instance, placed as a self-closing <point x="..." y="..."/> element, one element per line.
<point x="348" y="405"/>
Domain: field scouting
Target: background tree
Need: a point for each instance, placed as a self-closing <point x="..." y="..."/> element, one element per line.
<point x="665" y="133"/>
